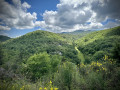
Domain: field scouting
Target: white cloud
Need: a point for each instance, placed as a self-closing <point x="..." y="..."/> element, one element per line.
<point x="70" y="15"/>
<point x="26" y="5"/>
<point x="3" y="33"/>
<point x="4" y="28"/>
<point x="16" y="16"/>
<point x="75" y="14"/>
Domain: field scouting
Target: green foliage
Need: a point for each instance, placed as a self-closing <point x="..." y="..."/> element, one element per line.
<point x="98" y="55"/>
<point x="55" y="61"/>
<point x="94" y="36"/>
<point x="66" y="76"/>
<point x="114" y="82"/>
<point x="38" y="65"/>
<point x="80" y="55"/>
<point x="114" y="31"/>
<point x="116" y="52"/>
<point x="4" y="38"/>
<point x="45" y="60"/>
<point x="92" y="44"/>
<point x="95" y="81"/>
<point x="71" y="36"/>
<point x="19" y="49"/>
<point x="1" y="55"/>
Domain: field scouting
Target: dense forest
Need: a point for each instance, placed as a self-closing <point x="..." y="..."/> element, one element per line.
<point x="3" y="38"/>
<point x="41" y="60"/>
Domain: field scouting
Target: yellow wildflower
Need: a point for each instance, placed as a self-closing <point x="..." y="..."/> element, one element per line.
<point x="50" y="82"/>
<point x="56" y="88"/>
<point x="40" y="88"/>
<point x="45" y="88"/>
<point x="99" y="64"/>
<point x="51" y="88"/>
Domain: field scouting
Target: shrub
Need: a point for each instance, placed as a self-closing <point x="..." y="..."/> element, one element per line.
<point x="38" y="65"/>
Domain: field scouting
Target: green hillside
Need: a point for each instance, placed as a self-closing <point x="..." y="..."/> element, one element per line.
<point x="43" y="60"/>
<point x="21" y="48"/>
<point x="3" y="38"/>
<point x="99" y="35"/>
<point x="78" y="32"/>
<point x="72" y="36"/>
<point x="99" y="42"/>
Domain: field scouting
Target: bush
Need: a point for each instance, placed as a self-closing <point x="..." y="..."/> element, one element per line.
<point x="116" y="52"/>
<point x="67" y="77"/>
<point x="38" y="65"/>
<point x="98" y="55"/>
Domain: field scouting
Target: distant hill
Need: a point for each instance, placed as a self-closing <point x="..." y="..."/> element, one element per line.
<point x="72" y="36"/>
<point x="77" y="32"/>
<point x="4" y="38"/>
<point x="99" y="42"/>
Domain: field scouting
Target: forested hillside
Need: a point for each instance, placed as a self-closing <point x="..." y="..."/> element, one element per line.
<point x="43" y="60"/>
<point x="3" y="38"/>
<point x="99" y="43"/>
<point x="72" y="36"/>
<point x="21" y="48"/>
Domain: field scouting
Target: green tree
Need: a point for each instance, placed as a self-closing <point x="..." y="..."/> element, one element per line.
<point x="67" y="76"/>
<point x="38" y="65"/>
<point x="98" y="55"/>
<point x="1" y="55"/>
<point x="55" y="61"/>
<point x="116" y="52"/>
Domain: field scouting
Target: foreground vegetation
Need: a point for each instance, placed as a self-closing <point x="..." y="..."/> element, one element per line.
<point x="46" y="61"/>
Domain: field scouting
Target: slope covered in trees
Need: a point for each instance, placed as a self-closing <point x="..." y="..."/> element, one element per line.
<point x="19" y="49"/>
<point x="3" y="38"/>
<point x="42" y="60"/>
<point x="99" y="43"/>
<point x="72" y="36"/>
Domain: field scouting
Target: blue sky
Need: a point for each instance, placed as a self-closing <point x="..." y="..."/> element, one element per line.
<point x="38" y="6"/>
<point x="18" y="17"/>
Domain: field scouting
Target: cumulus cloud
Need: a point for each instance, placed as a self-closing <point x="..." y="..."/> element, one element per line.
<point x="15" y="15"/>
<point x="26" y="5"/>
<point x="4" y="28"/>
<point x="74" y="15"/>
<point x="70" y="15"/>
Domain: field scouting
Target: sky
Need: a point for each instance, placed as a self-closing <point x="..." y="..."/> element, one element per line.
<point x="18" y="17"/>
